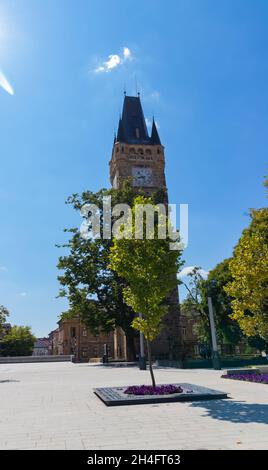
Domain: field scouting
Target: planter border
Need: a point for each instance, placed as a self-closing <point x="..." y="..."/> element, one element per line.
<point x="115" y="396"/>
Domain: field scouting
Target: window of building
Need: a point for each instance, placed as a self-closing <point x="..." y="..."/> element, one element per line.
<point x="158" y="150"/>
<point x="140" y="151"/>
<point x="184" y="331"/>
<point x="148" y="152"/>
<point x="84" y="332"/>
<point x="72" y="331"/>
<point x="132" y="150"/>
<point x="84" y="352"/>
<point x="137" y="133"/>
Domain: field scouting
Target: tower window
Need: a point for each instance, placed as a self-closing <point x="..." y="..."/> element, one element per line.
<point x="132" y="150"/>
<point x="140" y="151"/>
<point x="122" y="148"/>
<point x="148" y="152"/>
<point x="137" y="132"/>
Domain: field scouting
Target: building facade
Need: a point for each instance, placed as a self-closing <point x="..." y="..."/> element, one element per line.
<point x="41" y="347"/>
<point x="72" y="337"/>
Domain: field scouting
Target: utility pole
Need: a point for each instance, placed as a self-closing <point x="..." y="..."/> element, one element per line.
<point x="215" y="353"/>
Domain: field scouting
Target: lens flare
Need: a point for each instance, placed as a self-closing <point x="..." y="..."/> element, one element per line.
<point x="5" y="84"/>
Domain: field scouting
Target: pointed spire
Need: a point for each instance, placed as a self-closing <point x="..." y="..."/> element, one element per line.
<point x="132" y="128"/>
<point x="155" y="139"/>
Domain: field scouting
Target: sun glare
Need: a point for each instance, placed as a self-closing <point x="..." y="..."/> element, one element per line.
<point x="4" y="83"/>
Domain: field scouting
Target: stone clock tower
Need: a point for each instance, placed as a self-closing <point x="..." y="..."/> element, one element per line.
<point x="135" y="153"/>
<point x="141" y="157"/>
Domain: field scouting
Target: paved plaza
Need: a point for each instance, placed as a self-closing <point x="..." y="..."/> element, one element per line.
<point x="52" y="406"/>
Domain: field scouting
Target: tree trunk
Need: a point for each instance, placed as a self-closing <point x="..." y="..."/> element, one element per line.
<point x="150" y="362"/>
<point x="130" y="347"/>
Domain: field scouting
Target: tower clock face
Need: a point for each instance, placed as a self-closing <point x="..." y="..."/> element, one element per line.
<point x="142" y="176"/>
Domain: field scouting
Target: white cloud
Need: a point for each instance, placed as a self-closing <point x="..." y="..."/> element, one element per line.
<point x="23" y="294"/>
<point x="155" y="95"/>
<point x="114" y="60"/>
<point x="126" y="53"/>
<point x="5" y="84"/>
<point x="189" y="269"/>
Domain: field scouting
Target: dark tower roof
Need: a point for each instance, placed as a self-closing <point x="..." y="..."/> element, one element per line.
<point x="120" y="132"/>
<point x="132" y="127"/>
<point x="155" y="139"/>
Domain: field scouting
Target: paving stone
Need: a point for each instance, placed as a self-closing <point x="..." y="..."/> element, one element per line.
<point x="52" y="405"/>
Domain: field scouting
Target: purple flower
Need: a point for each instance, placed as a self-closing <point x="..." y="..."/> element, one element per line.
<point x="258" y="378"/>
<point x="150" y="390"/>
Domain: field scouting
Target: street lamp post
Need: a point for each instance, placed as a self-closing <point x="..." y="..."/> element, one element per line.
<point x="215" y="353"/>
<point x="142" y="358"/>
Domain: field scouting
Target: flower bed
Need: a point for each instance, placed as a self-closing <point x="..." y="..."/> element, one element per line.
<point x="150" y="390"/>
<point x="258" y="378"/>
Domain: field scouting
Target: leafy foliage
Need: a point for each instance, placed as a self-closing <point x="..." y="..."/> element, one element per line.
<point x="19" y="341"/>
<point x="228" y="330"/>
<point x="249" y="269"/>
<point x="93" y="290"/>
<point x="149" y="268"/>
<point x="4" y="313"/>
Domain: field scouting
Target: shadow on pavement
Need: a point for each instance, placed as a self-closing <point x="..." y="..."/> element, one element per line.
<point x="6" y="381"/>
<point x="234" y="411"/>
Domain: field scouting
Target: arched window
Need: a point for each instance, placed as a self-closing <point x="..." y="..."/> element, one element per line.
<point x="132" y="150"/>
<point x="148" y="152"/>
<point x="140" y="151"/>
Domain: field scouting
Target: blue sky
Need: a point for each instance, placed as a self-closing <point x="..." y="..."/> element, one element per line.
<point x="202" y="69"/>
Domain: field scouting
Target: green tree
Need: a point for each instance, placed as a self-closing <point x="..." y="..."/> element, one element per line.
<point x="19" y="341"/>
<point x="228" y="330"/>
<point x="94" y="291"/>
<point x="4" y="313"/>
<point x="194" y="306"/>
<point x="249" y="269"/>
<point x="149" y="268"/>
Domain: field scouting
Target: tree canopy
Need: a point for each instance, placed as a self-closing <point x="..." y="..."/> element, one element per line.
<point x="19" y="341"/>
<point x="249" y="269"/>
<point x="4" y="313"/>
<point x="93" y="290"/>
<point x="228" y="330"/>
<point x="150" y="270"/>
